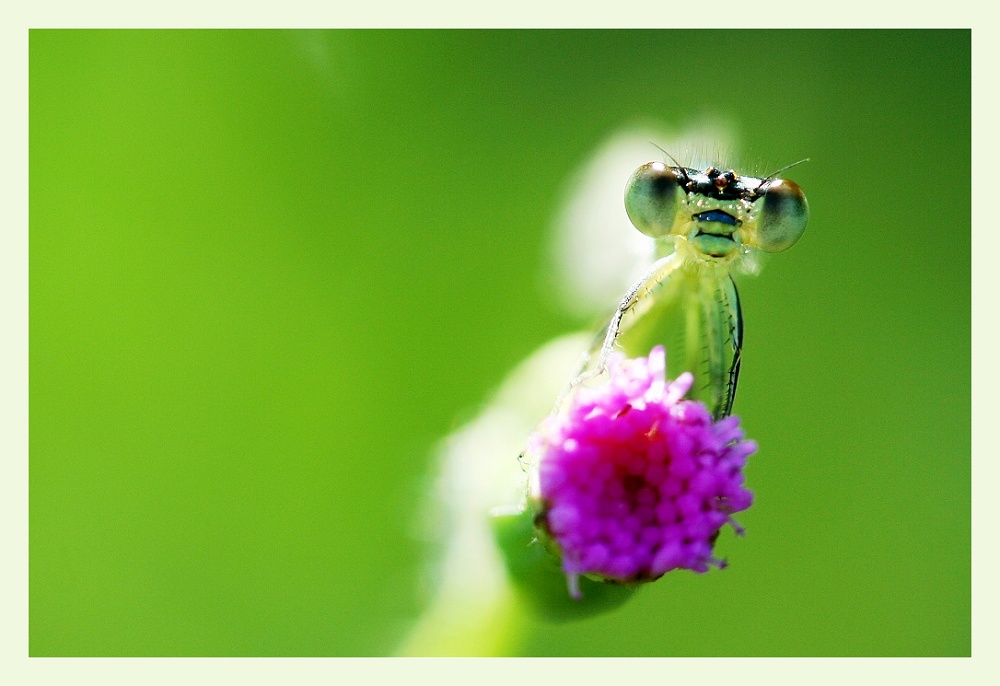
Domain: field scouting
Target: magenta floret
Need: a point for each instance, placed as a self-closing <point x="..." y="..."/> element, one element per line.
<point x="634" y="481"/>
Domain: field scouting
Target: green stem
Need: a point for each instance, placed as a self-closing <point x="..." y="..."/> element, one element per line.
<point x="538" y="578"/>
<point x="494" y="575"/>
<point x="469" y="625"/>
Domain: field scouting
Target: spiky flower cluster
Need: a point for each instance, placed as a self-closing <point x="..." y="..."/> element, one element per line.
<point x="634" y="481"/>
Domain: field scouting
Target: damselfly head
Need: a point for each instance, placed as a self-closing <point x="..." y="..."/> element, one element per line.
<point x="719" y="212"/>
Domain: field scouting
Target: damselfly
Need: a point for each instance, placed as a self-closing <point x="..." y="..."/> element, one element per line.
<point x="706" y="224"/>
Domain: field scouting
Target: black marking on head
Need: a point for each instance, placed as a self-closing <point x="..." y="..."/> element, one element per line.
<point x="721" y="185"/>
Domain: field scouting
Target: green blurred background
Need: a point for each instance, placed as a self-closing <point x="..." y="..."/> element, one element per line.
<point x="268" y="270"/>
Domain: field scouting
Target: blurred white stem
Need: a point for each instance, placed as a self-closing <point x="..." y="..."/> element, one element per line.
<point x="475" y="611"/>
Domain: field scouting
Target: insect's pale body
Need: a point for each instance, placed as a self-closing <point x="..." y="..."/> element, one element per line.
<point x="705" y="223"/>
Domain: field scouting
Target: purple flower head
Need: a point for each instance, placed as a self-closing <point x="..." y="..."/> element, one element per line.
<point x="633" y="481"/>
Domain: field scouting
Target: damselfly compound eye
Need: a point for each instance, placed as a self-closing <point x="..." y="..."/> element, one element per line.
<point x="783" y="216"/>
<point x="653" y="198"/>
